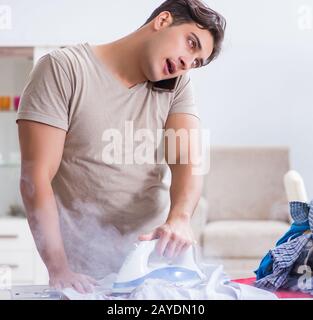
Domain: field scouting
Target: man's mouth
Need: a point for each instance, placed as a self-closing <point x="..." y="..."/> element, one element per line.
<point x="170" y="66"/>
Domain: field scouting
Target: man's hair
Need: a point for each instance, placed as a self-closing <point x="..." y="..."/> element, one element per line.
<point x="195" y="11"/>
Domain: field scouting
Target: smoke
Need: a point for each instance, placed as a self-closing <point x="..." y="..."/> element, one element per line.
<point x="93" y="246"/>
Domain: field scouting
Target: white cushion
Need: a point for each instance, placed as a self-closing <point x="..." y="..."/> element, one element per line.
<point x="241" y="238"/>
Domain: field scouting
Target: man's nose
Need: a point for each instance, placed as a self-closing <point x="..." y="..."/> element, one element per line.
<point x="186" y="62"/>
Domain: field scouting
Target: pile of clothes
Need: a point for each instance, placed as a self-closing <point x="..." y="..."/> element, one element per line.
<point x="290" y="264"/>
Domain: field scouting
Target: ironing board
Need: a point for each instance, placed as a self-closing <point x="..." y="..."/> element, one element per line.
<point x="281" y="294"/>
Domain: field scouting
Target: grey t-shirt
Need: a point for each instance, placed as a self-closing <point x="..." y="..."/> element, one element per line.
<point x="103" y="207"/>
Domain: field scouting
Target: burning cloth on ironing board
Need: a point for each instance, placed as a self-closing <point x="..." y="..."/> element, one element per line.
<point x="145" y="275"/>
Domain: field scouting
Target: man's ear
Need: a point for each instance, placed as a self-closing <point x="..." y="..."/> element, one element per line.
<point x="163" y="20"/>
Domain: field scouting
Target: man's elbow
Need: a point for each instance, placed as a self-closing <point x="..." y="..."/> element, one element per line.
<point x="32" y="181"/>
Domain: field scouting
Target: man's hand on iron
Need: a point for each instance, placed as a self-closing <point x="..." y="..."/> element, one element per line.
<point x="175" y="236"/>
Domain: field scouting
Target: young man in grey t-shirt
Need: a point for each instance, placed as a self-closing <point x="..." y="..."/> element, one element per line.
<point x="84" y="102"/>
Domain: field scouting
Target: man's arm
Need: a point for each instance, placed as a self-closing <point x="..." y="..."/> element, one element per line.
<point x="176" y="234"/>
<point x="41" y="152"/>
<point x="186" y="186"/>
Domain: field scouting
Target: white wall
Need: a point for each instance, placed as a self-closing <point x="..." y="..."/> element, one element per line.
<point x="61" y="22"/>
<point x="259" y="92"/>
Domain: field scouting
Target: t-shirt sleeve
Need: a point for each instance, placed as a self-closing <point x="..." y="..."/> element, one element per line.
<point x="183" y="100"/>
<point x="47" y="94"/>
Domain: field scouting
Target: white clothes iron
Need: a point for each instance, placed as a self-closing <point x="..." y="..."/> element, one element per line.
<point x="145" y="263"/>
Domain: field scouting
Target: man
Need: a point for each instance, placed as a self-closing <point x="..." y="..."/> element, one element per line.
<point x="83" y="210"/>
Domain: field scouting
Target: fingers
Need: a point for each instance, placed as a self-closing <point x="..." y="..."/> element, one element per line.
<point x="163" y="241"/>
<point x="184" y="248"/>
<point x="55" y="285"/>
<point x="92" y="281"/>
<point x="86" y="283"/>
<point x="87" y="286"/>
<point x="78" y="287"/>
<point x="178" y="249"/>
<point x="79" y="282"/>
<point x="170" y="244"/>
<point x="147" y="237"/>
<point x="171" y="247"/>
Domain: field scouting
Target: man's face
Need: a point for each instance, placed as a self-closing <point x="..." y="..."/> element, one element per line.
<point x="173" y="50"/>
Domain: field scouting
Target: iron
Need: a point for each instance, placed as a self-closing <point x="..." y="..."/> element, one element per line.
<point x="143" y="262"/>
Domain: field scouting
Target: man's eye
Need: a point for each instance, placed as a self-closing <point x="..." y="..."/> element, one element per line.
<point x="192" y="43"/>
<point x="196" y="63"/>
